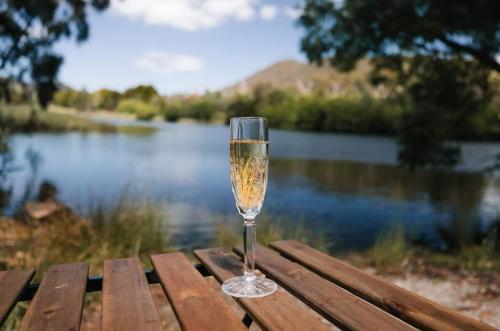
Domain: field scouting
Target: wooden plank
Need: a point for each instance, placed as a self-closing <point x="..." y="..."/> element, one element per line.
<point x="195" y="304"/>
<point x="402" y="303"/>
<point x="12" y="284"/>
<point x="58" y="302"/>
<point x="333" y="302"/>
<point x="127" y="304"/>
<point x="279" y="311"/>
<point x="229" y="300"/>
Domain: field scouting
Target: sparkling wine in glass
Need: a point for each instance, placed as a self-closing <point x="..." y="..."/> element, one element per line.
<point x="249" y="157"/>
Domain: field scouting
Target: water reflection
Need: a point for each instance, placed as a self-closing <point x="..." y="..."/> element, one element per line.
<point x="461" y="191"/>
<point x="374" y="196"/>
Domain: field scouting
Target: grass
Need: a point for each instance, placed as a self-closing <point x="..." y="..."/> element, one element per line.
<point x="125" y="228"/>
<point x="229" y="234"/>
<point x="23" y="118"/>
<point x="393" y="253"/>
<point x="481" y="258"/>
<point x="390" y="249"/>
<point x="142" y="110"/>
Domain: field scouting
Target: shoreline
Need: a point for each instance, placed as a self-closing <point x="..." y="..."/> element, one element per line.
<point x="113" y="115"/>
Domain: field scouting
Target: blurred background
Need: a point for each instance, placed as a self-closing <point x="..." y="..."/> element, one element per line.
<point x="384" y="141"/>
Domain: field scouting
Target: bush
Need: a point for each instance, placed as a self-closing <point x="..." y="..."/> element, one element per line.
<point x="172" y="112"/>
<point x="79" y="100"/>
<point x="145" y="93"/>
<point x="318" y="112"/>
<point x="241" y="106"/>
<point x="204" y="109"/>
<point x="143" y="111"/>
<point x="105" y="99"/>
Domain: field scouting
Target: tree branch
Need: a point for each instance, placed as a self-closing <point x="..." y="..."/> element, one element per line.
<point x="482" y="57"/>
<point x="15" y="44"/>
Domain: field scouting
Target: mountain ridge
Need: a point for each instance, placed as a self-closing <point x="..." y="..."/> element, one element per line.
<point x="305" y="79"/>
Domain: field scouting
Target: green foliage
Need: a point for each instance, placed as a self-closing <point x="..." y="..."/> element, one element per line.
<point x="420" y="134"/>
<point x="473" y="118"/>
<point x="228" y="235"/>
<point x="244" y="106"/>
<point x="24" y="118"/>
<point x="203" y="109"/>
<point x="479" y="258"/>
<point x="105" y="99"/>
<point x="62" y="98"/>
<point x="319" y="113"/>
<point x="126" y="228"/>
<point x="468" y="247"/>
<point x="28" y="57"/>
<point x="14" y="93"/>
<point x="143" y="110"/>
<point x="350" y="30"/>
<point x="445" y="96"/>
<point x="433" y="62"/>
<point x="172" y="112"/>
<point x="79" y="100"/>
<point x="390" y="249"/>
<point x="28" y="119"/>
<point x="122" y="228"/>
<point x="43" y="71"/>
<point x="145" y="93"/>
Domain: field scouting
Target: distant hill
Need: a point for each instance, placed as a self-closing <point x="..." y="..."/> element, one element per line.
<point x="305" y="78"/>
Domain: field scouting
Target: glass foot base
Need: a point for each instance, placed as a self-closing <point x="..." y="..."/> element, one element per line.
<point x="242" y="288"/>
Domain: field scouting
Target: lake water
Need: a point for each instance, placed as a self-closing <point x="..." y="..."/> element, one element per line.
<point x="344" y="188"/>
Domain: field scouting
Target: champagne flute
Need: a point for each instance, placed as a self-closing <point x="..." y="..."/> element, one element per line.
<point x="249" y="155"/>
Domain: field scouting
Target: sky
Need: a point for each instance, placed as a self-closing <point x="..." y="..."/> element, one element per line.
<point x="181" y="46"/>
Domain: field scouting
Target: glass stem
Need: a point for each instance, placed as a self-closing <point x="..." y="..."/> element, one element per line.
<point x="249" y="240"/>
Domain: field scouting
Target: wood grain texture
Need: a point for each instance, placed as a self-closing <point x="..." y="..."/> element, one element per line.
<point x="279" y="311"/>
<point x="339" y="306"/>
<point x="196" y="305"/>
<point x="127" y="304"/>
<point x="402" y="303"/>
<point x="229" y="300"/>
<point x="58" y="302"/>
<point x="12" y="284"/>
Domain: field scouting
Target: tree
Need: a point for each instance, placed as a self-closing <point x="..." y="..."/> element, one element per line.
<point x="106" y="99"/>
<point x="145" y="93"/>
<point x="28" y="31"/>
<point x="349" y="30"/>
<point x="445" y="95"/>
<point x="438" y="53"/>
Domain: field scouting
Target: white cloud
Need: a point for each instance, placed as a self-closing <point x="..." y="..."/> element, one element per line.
<point x="292" y="12"/>
<point x="165" y="63"/>
<point x="268" y="12"/>
<point x="187" y="15"/>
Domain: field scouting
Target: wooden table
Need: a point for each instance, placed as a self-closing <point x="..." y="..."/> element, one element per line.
<point x="317" y="292"/>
